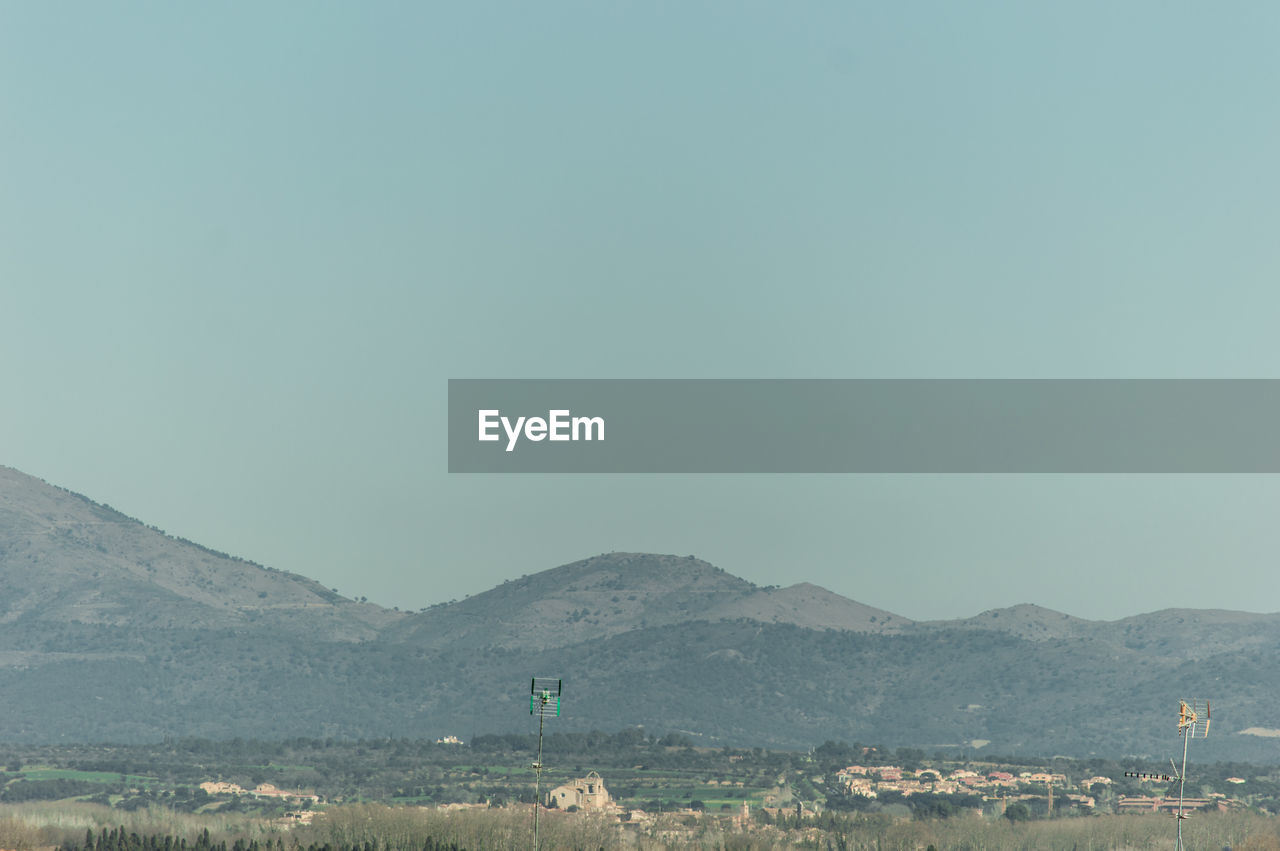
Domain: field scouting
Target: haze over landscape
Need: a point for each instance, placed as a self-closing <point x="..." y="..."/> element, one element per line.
<point x="245" y="247"/>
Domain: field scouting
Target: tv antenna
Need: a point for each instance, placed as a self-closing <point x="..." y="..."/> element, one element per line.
<point x="1193" y="721"/>
<point x="544" y="701"/>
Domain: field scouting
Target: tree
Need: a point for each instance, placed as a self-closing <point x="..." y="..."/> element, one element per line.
<point x="1017" y="812"/>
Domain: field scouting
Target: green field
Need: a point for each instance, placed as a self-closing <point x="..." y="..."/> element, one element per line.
<point x="45" y="773"/>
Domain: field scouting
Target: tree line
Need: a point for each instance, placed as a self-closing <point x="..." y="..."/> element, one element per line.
<point x="118" y="839"/>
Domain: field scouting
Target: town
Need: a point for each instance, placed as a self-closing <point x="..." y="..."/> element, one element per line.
<point x="663" y="789"/>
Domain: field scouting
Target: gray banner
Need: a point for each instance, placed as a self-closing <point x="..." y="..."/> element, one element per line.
<point x="864" y="426"/>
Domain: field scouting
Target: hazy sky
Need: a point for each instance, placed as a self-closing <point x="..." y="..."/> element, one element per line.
<point x="243" y="246"/>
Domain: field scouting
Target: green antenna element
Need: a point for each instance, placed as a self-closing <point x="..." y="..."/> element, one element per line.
<point x="544" y="701"/>
<point x="544" y="697"/>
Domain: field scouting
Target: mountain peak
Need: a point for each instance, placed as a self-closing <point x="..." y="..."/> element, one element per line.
<point x="1024" y="620"/>
<point x="593" y="598"/>
<point x="644" y="570"/>
<point x="618" y="592"/>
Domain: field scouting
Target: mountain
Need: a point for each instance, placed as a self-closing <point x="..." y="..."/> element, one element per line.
<point x="615" y="593"/>
<point x="113" y="631"/>
<point x="67" y="559"/>
<point x="1170" y="635"/>
<point x="1027" y="620"/>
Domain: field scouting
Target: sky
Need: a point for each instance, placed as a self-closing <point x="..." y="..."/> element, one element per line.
<point x="244" y="246"/>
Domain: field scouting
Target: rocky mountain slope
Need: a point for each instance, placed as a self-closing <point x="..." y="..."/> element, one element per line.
<point x="66" y="559"/>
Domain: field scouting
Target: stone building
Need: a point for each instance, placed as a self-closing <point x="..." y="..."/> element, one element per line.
<point x="585" y="793"/>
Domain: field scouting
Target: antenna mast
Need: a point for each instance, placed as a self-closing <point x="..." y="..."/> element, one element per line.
<point x="1193" y="721"/>
<point x="544" y="701"/>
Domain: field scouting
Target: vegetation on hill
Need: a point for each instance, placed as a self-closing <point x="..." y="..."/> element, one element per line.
<point x="113" y="631"/>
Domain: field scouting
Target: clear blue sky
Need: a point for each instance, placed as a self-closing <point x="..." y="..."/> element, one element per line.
<point x="243" y="246"/>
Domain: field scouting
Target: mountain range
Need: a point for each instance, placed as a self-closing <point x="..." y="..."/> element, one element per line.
<point x="111" y="630"/>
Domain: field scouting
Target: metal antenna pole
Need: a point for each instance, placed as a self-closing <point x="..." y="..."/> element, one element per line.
<point x="1193" y="719"/>
<point x="537" y="783"/>
<point x="1182" y="785"/>
<point x="544" y="700"/>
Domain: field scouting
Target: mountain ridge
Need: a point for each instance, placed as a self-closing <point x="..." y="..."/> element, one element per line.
<point x="111" y="630"/>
